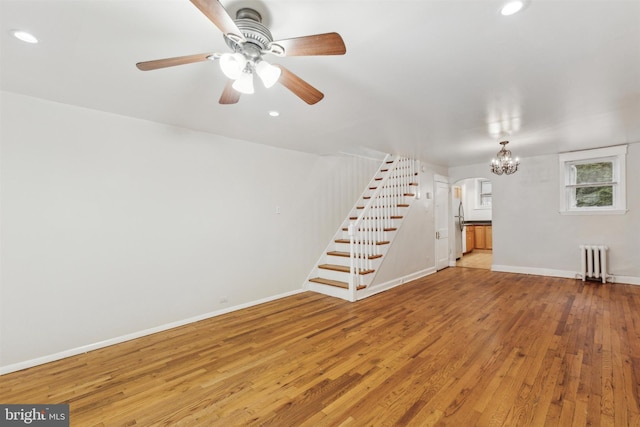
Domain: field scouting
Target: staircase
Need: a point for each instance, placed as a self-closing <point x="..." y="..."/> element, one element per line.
<point x="353" y="257"/>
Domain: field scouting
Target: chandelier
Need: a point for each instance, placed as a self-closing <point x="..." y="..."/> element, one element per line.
<point x="504" y="163"/>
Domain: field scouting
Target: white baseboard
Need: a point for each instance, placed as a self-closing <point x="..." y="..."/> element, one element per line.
<point x="630" y="280"/>
<point x="535" y="271"/>
<point x="376" y="289"/>
<point x="117" y="340"/>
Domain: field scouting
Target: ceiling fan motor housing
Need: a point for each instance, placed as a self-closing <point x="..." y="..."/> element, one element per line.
<point x="258" y="36"/>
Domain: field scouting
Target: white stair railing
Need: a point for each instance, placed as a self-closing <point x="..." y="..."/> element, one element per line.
<point x="376" y="219"/>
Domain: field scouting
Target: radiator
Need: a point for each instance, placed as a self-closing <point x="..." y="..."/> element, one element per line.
<point x="594" y="262"/>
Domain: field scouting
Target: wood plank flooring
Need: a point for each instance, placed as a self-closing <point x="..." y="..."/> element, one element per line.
<point x="461" y="347"/>
<point x="478" y="258"/>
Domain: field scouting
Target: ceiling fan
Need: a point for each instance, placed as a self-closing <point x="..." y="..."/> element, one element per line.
<point x="250" y="40"/>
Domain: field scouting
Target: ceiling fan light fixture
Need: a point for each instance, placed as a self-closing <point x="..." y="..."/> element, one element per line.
<point x="269" y="74"/>
<point x="244" y="84"/>
<point x="512" y="7"/>
<point x="249" y="39"/>
<point x="233" y="65"/>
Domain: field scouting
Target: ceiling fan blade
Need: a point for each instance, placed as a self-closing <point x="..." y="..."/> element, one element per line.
<point x="219" y="16"/>
<point x="299" y="87"/>
<point x="171" y="62"/>
<point x="229" y="94"/>
<point x="318" y="44"/>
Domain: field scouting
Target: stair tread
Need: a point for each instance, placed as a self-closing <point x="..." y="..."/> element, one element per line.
<point x="330" y="282"/>
<point x="393" y="184"/>
<point x="337" y="283"/>
<point x="382" y="196"/>
<point x="392" y="217"/>
<point x="347" y="241"/>
<point x="348" y="254"/>
<point x="400" y="205"/>
<point x="341" y="268"/>
<point x="375" y="229"/>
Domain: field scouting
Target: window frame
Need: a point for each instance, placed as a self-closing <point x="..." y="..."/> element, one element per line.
<point x="480" y="194"/>
<point x="617" y="156"/>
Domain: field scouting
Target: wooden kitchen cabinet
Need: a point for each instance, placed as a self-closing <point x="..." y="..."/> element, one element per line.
<point x="479" y="234"/>
<point x="483" y="235"/>
<point x="471" y="238"/>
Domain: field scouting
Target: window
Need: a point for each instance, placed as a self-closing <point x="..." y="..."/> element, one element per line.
<point x="484" y="194"/>
<point x="593" y="181"/>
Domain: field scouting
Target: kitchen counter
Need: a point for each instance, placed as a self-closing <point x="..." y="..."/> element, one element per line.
<point x="477" y="223"/>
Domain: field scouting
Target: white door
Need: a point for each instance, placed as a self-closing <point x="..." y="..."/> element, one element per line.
<point x="442" y="225"/>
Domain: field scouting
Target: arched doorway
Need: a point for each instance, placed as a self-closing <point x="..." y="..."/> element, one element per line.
<point x="473" y="222"/>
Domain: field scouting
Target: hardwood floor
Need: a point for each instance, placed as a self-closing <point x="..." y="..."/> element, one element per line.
<point x="461" y="347"/>
<point x="478" y="258"/>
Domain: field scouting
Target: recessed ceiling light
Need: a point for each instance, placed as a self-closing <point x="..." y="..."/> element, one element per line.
<point x="274" y="113"/>
<point x="24" y="36"/>
<point x="512" y="7"/>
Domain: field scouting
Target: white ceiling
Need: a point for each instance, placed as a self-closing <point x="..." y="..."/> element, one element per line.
<point x="435" y="79"/>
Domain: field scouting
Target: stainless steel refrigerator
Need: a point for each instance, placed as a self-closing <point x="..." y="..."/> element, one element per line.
<point x="459" y="225"/>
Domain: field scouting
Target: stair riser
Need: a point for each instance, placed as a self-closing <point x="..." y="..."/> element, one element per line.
<point x="342" y="247"/>
<point x="345" y="247"/>
<point x="376" y="211"/>
<point x="373" y="223"/>
<point x="391" y="204"/>
<point x="386" y="236"/>
<point x="329" y="290"/>
<point x="394" y="180"/>
<point x="333" y="275"/>
<point x="339" y="260"/>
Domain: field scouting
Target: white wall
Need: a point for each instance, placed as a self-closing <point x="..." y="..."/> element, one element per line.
<point x="112" y="226"/>
<point x="530" y="235"/>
